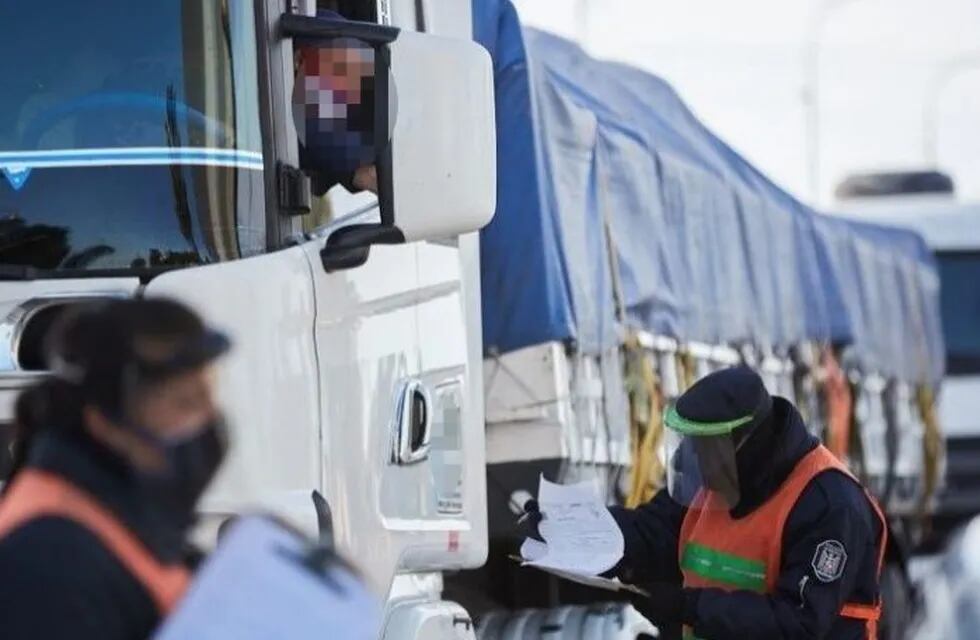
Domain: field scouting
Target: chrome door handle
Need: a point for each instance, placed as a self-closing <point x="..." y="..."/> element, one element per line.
<point x="412" y="428"/>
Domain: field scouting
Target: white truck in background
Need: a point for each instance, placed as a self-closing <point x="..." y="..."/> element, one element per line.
<point x="951" y="228"/>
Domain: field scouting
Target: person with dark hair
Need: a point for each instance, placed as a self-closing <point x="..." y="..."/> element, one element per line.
<point x="111" y="454"/>
<point x="760" y="532"/>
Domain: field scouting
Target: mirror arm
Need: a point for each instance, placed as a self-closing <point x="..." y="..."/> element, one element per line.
<point x="349" y="247"/>
<point x="292" y="25"/>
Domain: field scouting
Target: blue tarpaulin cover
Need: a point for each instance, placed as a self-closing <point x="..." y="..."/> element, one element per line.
<point x="606" y="179"/>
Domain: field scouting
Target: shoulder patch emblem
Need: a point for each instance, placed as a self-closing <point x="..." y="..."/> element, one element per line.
<point x="829" y="560"/>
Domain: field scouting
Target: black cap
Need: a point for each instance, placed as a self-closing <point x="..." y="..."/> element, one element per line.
<point x="109" y="349"/>
<point x="735" y="396"/>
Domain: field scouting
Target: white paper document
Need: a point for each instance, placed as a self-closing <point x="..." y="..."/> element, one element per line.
<point x="581" y="537"/>
<point x="256" y="587"/>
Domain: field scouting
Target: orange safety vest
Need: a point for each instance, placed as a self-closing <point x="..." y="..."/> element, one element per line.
<point x="36" y="494"/>
<point x="840" y="406"/>
<point x="716" y="550"/>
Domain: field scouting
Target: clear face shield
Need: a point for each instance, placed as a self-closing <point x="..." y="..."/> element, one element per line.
<point x="700" y="457"/>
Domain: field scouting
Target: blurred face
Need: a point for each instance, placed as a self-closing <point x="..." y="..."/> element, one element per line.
<point x="178" y="408"/>
<point x="333" y="104"/>
<point x="334" y="78"/>
<point x="172" y="411"/>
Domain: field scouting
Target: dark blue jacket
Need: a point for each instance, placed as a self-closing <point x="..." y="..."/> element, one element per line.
<point x="59" y="580"/>
<point x="803" y="607"/>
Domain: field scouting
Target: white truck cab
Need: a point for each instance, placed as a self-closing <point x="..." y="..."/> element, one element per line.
<point x="154" y="152"/>
<point x="952" y="230"/>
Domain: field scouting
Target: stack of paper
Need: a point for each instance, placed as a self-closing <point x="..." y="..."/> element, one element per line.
<point x="581" y="538"/>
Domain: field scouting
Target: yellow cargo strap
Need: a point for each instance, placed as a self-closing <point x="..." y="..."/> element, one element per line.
<point x="646" y="429"/>
<point x="688" y="370"/>
<point x="932" y="445"/>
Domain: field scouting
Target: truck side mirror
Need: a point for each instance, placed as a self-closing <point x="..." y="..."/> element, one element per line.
<point x="417" y="108"/>
<point x="444" y="136"/>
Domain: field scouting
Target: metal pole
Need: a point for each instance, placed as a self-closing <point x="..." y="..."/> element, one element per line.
<point x="938" y="82"/>
<point x="582" y="22"/>
<point x="811" y="92"/>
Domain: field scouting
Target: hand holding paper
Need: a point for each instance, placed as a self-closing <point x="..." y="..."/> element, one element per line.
<point x="581" y="538"/>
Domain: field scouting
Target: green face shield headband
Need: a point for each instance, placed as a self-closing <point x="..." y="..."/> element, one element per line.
<point x="701" y="465"/>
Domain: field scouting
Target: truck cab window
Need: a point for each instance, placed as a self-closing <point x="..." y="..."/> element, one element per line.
<point x="959" y="273"/>
<point x="129" y="137"/>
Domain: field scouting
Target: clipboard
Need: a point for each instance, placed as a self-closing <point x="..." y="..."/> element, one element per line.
<point x="597" y="582"/>
<point x="265" y="582"/>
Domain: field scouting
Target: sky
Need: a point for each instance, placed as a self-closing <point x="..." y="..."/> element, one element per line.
<point x="891" y="75"/>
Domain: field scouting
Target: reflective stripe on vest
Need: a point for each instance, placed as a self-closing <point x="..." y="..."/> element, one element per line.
<point x="34" y="494"/>
<point x="716" y="550"/>
<point x="724" y="568"/>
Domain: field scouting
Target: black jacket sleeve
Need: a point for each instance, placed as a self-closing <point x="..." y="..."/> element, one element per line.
<point x="806" y="603"/>
<point x="650" y="532"/>
<point x="60" y="582"/>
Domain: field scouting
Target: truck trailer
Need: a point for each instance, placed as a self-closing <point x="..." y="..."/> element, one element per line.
<point x="652" y="255"/>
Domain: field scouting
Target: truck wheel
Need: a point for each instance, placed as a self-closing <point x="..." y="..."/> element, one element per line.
<point x="896" y="603"/>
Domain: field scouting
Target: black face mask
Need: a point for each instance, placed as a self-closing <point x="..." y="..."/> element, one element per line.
<point x="189" y="466"/>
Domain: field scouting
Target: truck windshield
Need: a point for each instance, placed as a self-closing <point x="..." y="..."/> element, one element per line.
<point x="959" y="273"/>
<point x="129" y="134"/>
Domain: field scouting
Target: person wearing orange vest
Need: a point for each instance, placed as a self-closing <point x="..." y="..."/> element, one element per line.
<point x="111" y="455"/>
<point x="760" y="534"/>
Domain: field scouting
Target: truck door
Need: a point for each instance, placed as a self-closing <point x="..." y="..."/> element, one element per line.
<point x="399" y="430"/>
<point x="268" y="383"/>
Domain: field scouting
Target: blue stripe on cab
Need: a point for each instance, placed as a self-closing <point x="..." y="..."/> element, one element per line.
<point x="21" y="160"/>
